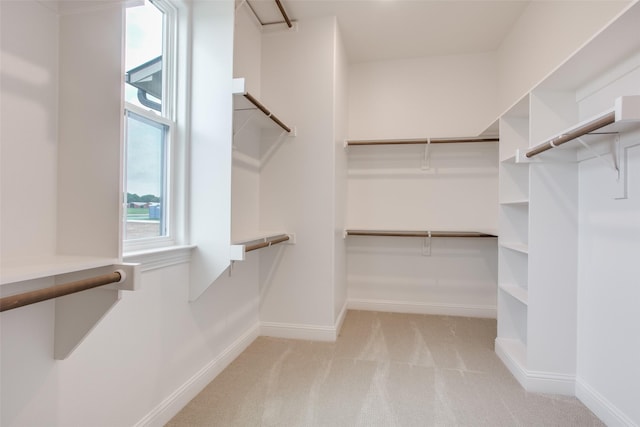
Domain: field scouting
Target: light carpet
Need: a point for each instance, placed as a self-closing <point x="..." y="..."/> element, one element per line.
<point x="385" y="369"/>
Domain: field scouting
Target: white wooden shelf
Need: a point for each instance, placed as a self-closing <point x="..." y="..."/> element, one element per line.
<point x="465" y="140"/>
<point x="510" y="159"/>
<point x="516" y="246"/>
<point x="417" y="233"/>
<point x="624" y="116"/>
<point x="76" y="314"/>
<point x="517" y="292"/>
<point x="241" y="246"/>
<point x="31" y="268"/>
<point x="516" y="202"/>
<point x="246" y="105"/>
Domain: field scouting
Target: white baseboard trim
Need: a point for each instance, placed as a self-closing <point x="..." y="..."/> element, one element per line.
<point x="177" y="400"/>
<point x="423" y="308"/>
<point x="298" y="331"/>
<point x="304" y="332"/>
<point x="535" y="381"/>
<point x="340" y="319"/>
<point x="601" y="406"/>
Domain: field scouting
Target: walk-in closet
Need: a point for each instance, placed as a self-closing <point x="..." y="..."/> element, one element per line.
<point x="364" y="213"/>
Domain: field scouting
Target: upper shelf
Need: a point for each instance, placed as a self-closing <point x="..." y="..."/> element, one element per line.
<point x="351" y="143"/>
<point x="244" y="101"/>
<point x="404" y="233"/>
<point x="622" y="117"/>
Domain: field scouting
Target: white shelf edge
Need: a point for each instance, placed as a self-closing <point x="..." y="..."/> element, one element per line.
<point x="30" y="268"/>
<point x="270" y="120"/>
<point x="260" y="235"/>
<point x="238" y="246"/>
<point x="626" y="110"/>
<point x="517" y="292"/>
<point x="515" y="246"/>
<point x="510" y="159"/>
<point x="515" y="202"/>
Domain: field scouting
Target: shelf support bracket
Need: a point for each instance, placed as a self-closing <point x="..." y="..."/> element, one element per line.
<point x="426" y="245"/>
<point x="615" y="153"/>
<point x="426" y="160"/>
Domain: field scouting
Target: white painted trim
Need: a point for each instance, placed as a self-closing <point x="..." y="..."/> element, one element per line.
<point x="298" y="332"/>
<point x="464" y="310"/>
<point x="153" y="259"/>
<point x="551" y="382"/>
<point x="510" y="360"/>
<point x="601" y="406"/>
<point x="536" y="381"/>
<point x="340" y="319"/>
<point x="177" y="400"/>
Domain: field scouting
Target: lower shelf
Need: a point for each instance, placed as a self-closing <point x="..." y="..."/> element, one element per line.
<point x="516" y="292"/>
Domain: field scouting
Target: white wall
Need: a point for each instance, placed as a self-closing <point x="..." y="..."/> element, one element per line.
<point x="247" y="144"/>
<point x="608" y="319"/>
<point x="90" y="119"/>
<point x="544" y="36"/>
<point x="29" y="97"/>
<point x="154" y="350"/>
<point x="247" y="49"/>
<point x="341" y="103"/>
<point x="608" y="377"/>
<point x="393" y="187"/>
<point x="422" y="97"/>
<point x="296" y="188"/>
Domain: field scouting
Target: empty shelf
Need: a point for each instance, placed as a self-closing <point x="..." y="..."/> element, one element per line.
<point x="401" y="233"/>
<point x="422" y="141"/>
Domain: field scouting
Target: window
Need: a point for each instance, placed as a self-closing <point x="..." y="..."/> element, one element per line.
<point x="149" y="125"/>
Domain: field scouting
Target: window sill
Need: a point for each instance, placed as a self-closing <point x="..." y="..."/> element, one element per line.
<point x="152" y="259"/>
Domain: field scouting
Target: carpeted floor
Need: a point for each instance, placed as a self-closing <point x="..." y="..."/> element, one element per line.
<point x="386" y="369"/>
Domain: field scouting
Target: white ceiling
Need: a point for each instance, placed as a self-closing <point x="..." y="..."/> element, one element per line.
<point x="391" y="29"/>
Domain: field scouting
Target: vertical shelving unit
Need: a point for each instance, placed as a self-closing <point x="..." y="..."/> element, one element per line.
<point x="537" y="250"/>
<point x="513" y="256"/>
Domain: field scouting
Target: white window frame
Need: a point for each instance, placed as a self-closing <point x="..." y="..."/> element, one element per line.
<point x="166" y="117"/>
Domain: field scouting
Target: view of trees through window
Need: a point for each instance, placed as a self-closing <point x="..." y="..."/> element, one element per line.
<point x="147" y="128"/>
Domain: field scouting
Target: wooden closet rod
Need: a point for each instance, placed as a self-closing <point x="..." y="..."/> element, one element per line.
<point x="32" y="297"/>
<point x="284" y="14"/>
<point x="417" y="233"/>
<point x="265" y="244"/>
<point x="422" y="141"/>
<point x="596" y="124"/>
<point x="266" y="112"/>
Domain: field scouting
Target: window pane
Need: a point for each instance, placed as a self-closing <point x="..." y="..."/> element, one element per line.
<point x="143" y="59"/>
<point x="145" y="178"/>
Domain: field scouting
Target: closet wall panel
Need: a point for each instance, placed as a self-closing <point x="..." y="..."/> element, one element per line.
<point x="442" y="187"/>
<point x="297" y="183"/>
